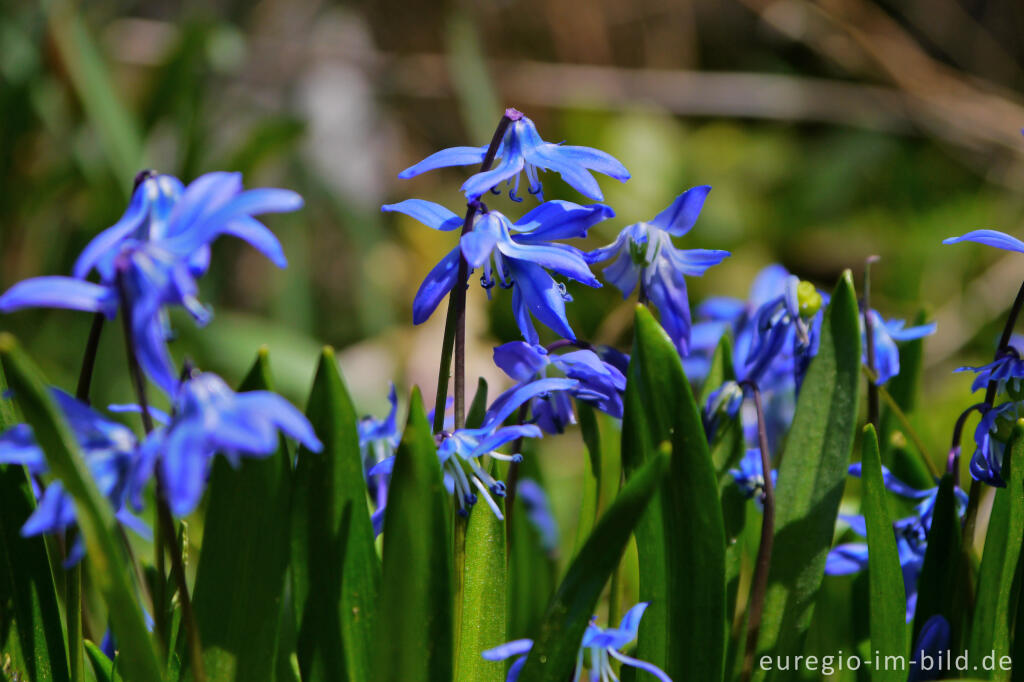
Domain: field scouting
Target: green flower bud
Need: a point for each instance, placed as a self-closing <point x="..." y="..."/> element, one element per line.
<point x="808" y="299"/>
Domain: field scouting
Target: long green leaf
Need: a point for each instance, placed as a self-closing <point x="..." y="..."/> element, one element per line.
<point x="943" y="562"/>
<point x="811" y="477"/>
<point x="591" y="472"/>
<point x="885" y="575"/>
<point x="553" y="656"/>
<point x="484" y="618"/>
<point x="109" y="568"/>
<point x="681" y="539"/>
<point x="414" y="627"/>
<point x="241" y="574"/>
<point x="994" y="609"/>
<point x="335" y="570"/>
<point x="102" y="667"/>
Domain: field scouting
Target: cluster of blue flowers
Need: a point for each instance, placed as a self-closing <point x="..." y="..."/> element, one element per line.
<point x="146" y="263"/>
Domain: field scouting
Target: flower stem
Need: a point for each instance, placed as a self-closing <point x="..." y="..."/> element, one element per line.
<point x="873" y="406"/>
<point x="165" y="522"/>
<point x="759" y="585"/>
<point x="455" y="322"/>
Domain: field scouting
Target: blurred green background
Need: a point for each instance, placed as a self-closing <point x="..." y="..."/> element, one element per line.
<point x="829" y="130"/>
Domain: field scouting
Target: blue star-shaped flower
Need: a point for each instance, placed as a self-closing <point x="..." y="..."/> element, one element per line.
<point x="110" y="452"/>
<point x="644" y="254"/>
<point x="886" y="333"/>
<point x="1007" y="370"/>
<point x="210" y="418"/>
<point x="523" y="149"/>
<point x="600" y="645"/>
<point x="600" y="383"/>
<point x="517" y="255"/>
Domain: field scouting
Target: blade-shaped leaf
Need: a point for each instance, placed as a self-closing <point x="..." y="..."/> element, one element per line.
<point x="681" y="538"/>
<point x="484" y="618"/>
<point x="102" y="667"/>
<point x="887" y="605"/>
<point x="811" y="477"/>
<point x="414" y="625"/>
<point x="943" y="561"/>
<point x="553" y="656"/>
<point x="95" y="517"/>
<point x="994" y="608"/>
<point x="242" y="563"/>
<point x="335" y="569"/>
<point x="477" y="408"/>
<point x="591" y="472"/>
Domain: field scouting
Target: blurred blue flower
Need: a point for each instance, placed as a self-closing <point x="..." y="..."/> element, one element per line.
<point x="886" y="333"/>
<point x="932" y="641"/>
<point x="516" y="255"/>
<point x="538" y="510"/>
<point x="110" y="452"/>
<point x="459" y="451"/>
<point x="999" y="240"/>
<point x="749" y="477"/>
<point x="602" y="644"/>
<point x="523" y="149"/>
<point x="209" y="418"/>
<point x="378" y="440"/>
<point x="722" y="406"/>
<point x="156" y="251"/>
<point x="990" y="438"/>
<point x="911" y="536"/>
<point x="1007" y="370"/>
<point x="600" y="383"/>
<point x="790" y="320"/>
<point x="644" y="253"/>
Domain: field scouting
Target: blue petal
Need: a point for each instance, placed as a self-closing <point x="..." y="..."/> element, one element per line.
<point x="429" y="213"/>
<point x="570" y="163"/>
<point x="695" y="262"/>
<point x="631" y="621"/>
<point x="721" y="308"/>
<point x="203" y="196"/>
<point x="606" y="252"/>
<point x="282" y="414"/>
<point x="846" y="559"/>
<point x="562" y="258"/>
<point x="521" y="313"/>
<point x="54" y="513"/>
<point x="894" y="484"/>
<point x="107" y="240"/>
<point x="666" y="289"/>
<point x="995" y="238"/>
<point x="151" y="348"/>
<point x="542" y="296"/>
<point x="505" y="404"/>
<point x="453" y="156"/>
<point x="481" y="183"/>
<point x="59" y="292"/>
<point x="259" y="237"/>
<point x="642" y="665"/>
<point x="438" y="283"/>
<point x="478" y="243"/>
<point x="185" y="462"/>
<point x="516" y="647"/>
<point x="506" y="434"/>
<point x="897" y="331"/>
<point x="681" y="216"/>
<point x="559" y="220"/>
<point x="519" y="360"/>
<point x="248" y="203"/>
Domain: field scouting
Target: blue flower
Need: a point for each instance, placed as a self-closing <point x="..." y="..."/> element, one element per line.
<point x="999" y="240"/>
<point x="156" y="251"/>
<point x="378" y="441"/>
<point x="459" y="451"/>
<point x="749" y="477"/>
<point x="516" y="255"/>
<point x="600" y="383"/>
<point x="538" y="510"/>
<point x="523" y="149"/>
<point x="110" y="452"/>
<point x="210" y="418"/>
<point x="886" y="333"/>
<point x="791" y="319"/>
<point x="911" y="536"/>
<point x="723" y="405"/>
<point x="990" y="438"/>
<point x="933" y="639"/>
<point x="644" y="253"/>
<point x="601" y="645"/>
<point x="1007" y="370"/>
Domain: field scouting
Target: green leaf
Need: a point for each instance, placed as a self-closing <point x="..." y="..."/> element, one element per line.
<point x="477" y="408"/>
<point x="414" y="626"/>
<point x="591" y="472"/>
<point x="811" y="477"/>
<point x="242" y="563"/>
<point x="553" y="656"/>
<point x="335" y="569"/>
<point x="994" y="608"/>
<point x="887" y="606"/>
<point x="943" y="561"/>
<point x="109" y="568"/>
<point x="681" y="539"/>
<point x="102" y="667"/>
<point x="484" y="619"/>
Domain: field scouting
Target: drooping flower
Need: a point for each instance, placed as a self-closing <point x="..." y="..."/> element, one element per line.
<point x="600" y="383"/>
<point x="790" y="320"/>
<point x="110" y="452"/>
<point x="644" y="254"/>
<point x="886" y="333"/>
<point x="911" y="536"/>
<point x="459" y="451"/>
<point x="1007" y="370"/>
<point x="598" y="647"/>
<point x="153" y="254"/>
<point x="722" y="406"/>
<point x="990" y="437"/>
<point x="210" y="418"/>
<point x="523" y="149"/>
<point x="378" y="440"/>
<point x="749" y="477"/>
<point x="516" y="255"/>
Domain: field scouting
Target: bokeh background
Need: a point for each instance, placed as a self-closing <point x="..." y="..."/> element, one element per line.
<point x="829" y="131"/>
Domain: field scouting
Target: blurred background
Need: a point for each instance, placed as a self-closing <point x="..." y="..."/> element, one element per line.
<point x="829" y="131"/>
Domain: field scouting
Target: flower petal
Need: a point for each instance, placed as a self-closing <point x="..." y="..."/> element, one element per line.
<point x="103" y="243"/>
<point x="521" y="361"/>
<point x="505" y="404"/>
<point x="516" y="647"/>
<point x="438" y="283"/>
<point x="680" y="217"/>
<point x="258" y="236"/>
<point x="995" y="238"/>
<point x="431" y="214"/>
<point x="453" y="156"/>
<point x="59" y="292"/>
<point x="559" y="220"/>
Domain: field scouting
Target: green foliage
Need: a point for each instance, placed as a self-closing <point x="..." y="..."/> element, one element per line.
<point x="95" y="517"/>
<point x="811" y="478"/>
<point x="414" y="627"/>
<point x="335" y="569"/>
<point x="681" y="538"/>
<point x="558" y="638"/>
<point x="887" y="596"/>
<point x="245" y="553"/>
<point x="943" y="562"/>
